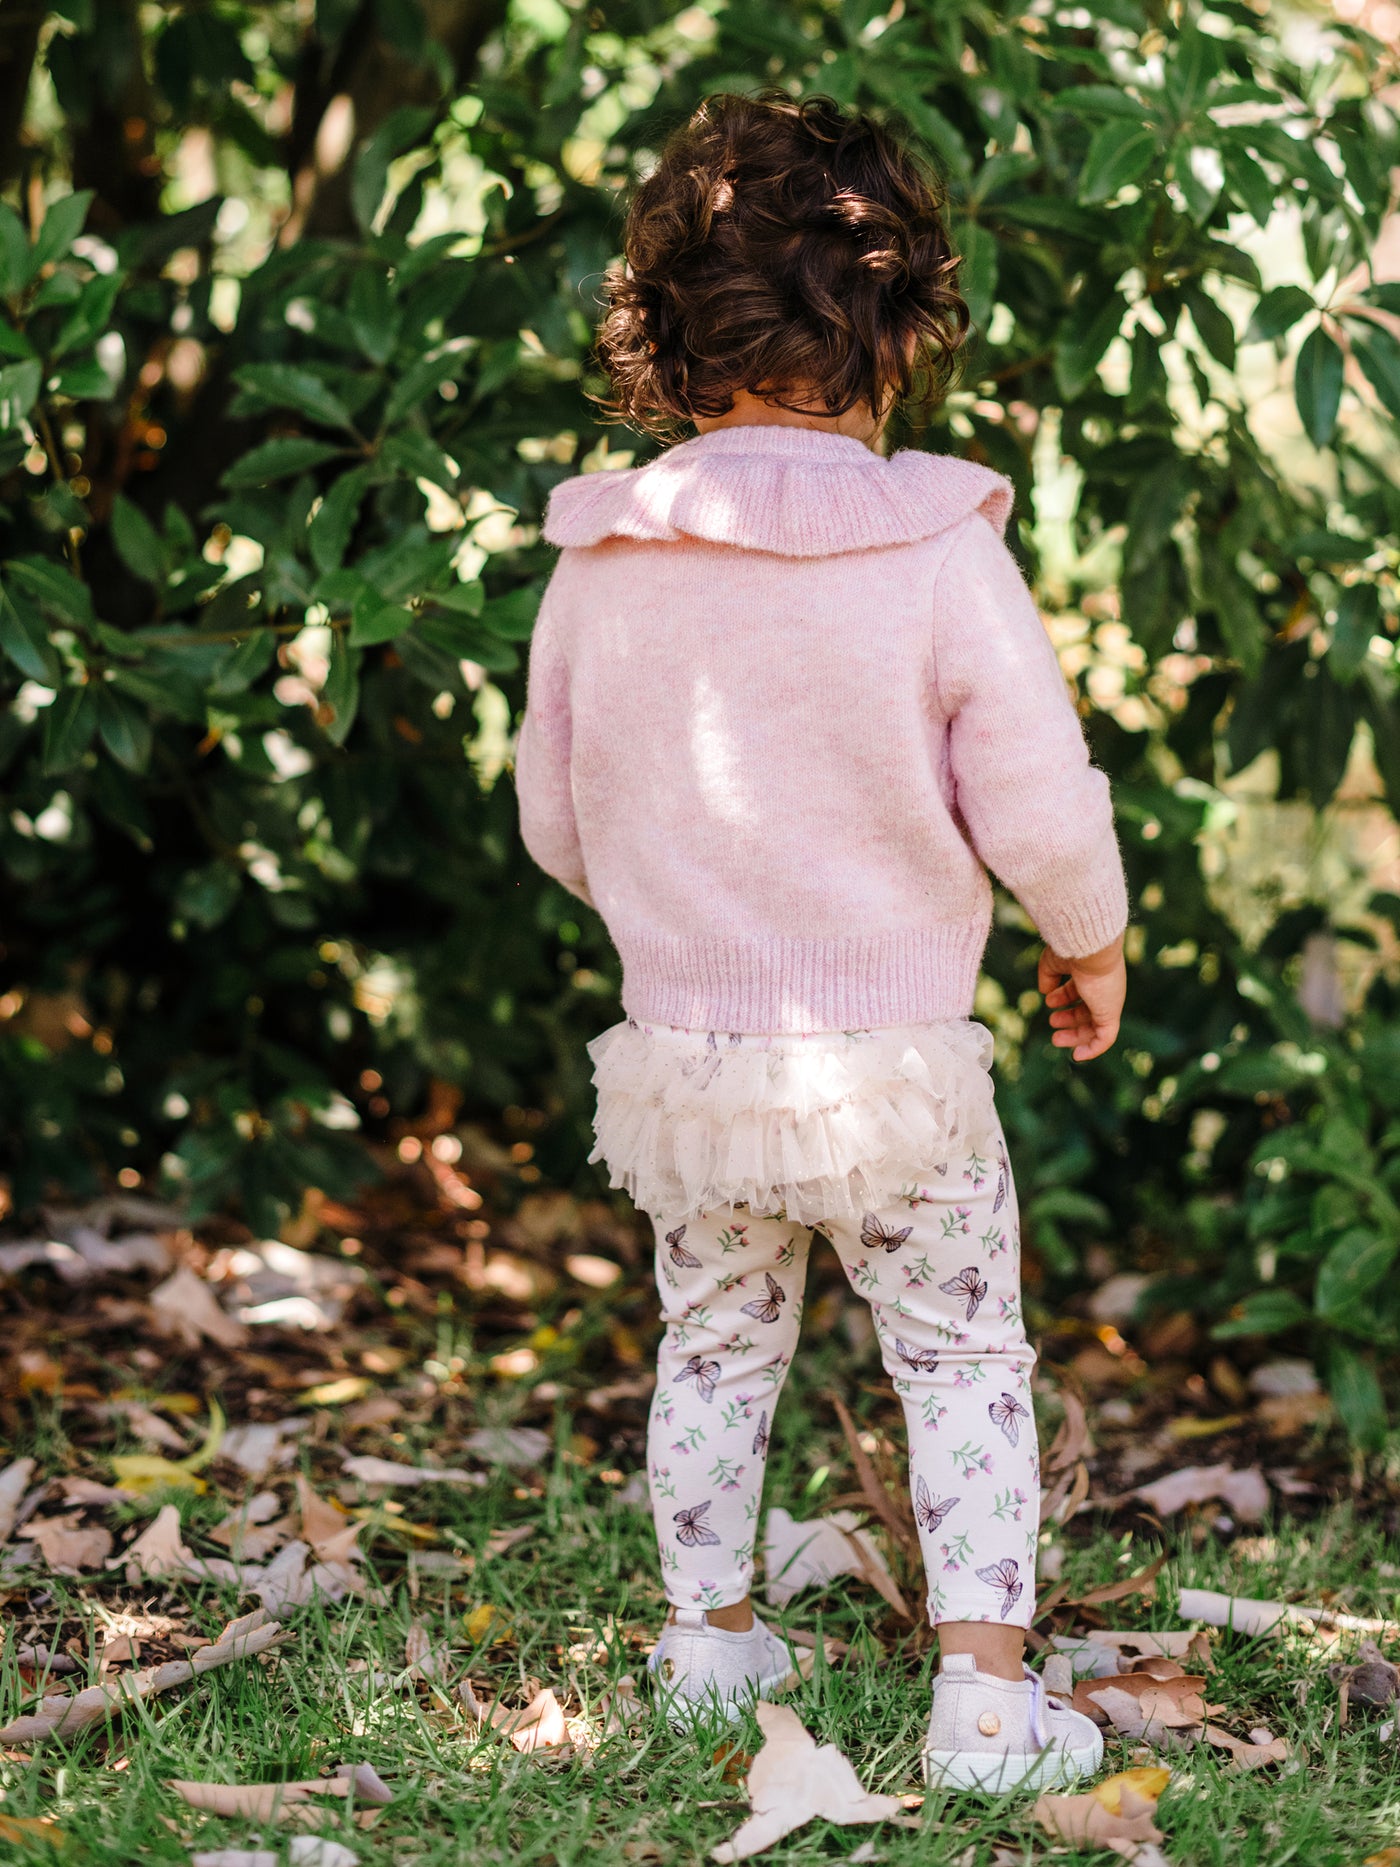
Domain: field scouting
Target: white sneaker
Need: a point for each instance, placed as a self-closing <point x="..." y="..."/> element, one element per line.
<point x="700" y="1669"/>
<point x="1001" y="1734"/>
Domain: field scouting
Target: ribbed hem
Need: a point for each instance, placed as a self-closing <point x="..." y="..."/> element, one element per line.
<point x="787" y="985"/>
<point x="1089" y="922"/>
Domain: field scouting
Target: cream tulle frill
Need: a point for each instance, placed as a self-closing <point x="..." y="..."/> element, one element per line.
<point x="827" y="1125"/>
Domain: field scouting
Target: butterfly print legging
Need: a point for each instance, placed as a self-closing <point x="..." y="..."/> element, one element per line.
<point x="941" y="1272"/>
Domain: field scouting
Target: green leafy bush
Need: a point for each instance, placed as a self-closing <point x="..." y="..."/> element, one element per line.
<point x="279" y="409"/>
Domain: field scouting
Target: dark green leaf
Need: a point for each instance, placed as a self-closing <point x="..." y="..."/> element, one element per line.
<point x="1378" y="353"/>
<point x="1265" y="1312"/>
<point x="1119" y="153"/>
<point x="63" y="222"/>
<point x="284" y="385"/>
<point x="243" y="664"/>
<point x="19" y="391"/>
<point x="513" y="616"/>
<point x="277" y="459"/>
<point x="1360" y="1259"/>
<point x="1317" y="385"/>
<point x="372" y="312"/>
<point x="977" y="276"/>
<point x="84" y="382"/>
<point x="1278" y="311"/>
<point x="1213" y="327"/>
<point x="55" y="588"/>
<point x="1358" y="619"/>
<point x="68" y="728"/>
<point x="341" y="693"/>
<point x="206" y="896"/>
<point x="139" y="545"/>
<point x="1356" y="1394"/>
<point x="1153" y="510"/>
<point x="17" y="266"/>
<point x="399" y="131"/>
<point x="1091" y="329"/>
<point x="125" y="729"/>
<point x="329" y="532"/>
<point x="1249" y="184"/>
<point x="25" y="640"/>
<point x="422" y="379"/>
<point x="378" y="622"/>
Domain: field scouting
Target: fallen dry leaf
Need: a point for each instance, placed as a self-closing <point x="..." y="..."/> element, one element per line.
<point x="325" y="1526"/>
<point x="288" y="1582"/>
<point x="372" y="1471"/>
<point x="27" y="1831"/>
<point x="62" y="1716"/>
<point x="255" y="1530"/>
<point x="792" y="1781"/>
<point x="88" y="1491"/>
<point x="14" y="1482"/>
<point x="1246" y="1492"/>
<point x="66" y="1548"/>
<point x="265" y="1802"/>
<point x="894" y="1512"/>
<point x="487" y="1619"/>
<point x="1084" y="1817"/>
<point x="1247" y="1756"/>
<point x="514" y="1446"/>
<point x="424" y="1658"/>
<point x="158" y="1551"/>
<point x="540" y="1725"/>
<point x="1146" y="1782"/>
<point x="186" y="1307"/>
<point x="317" y="1851"/>
<point x="805" y="1555"/>
<point x="257" y="1448"/>
<point x="1134" y="1703"/>
<point x="1101" y="1651"/>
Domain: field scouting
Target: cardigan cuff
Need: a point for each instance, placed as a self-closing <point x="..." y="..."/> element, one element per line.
<point x="1090" y="921"/>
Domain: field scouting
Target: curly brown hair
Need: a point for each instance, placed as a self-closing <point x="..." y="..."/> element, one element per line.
<point x="785" y="248"/>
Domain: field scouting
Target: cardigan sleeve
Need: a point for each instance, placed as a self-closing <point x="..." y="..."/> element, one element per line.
<point x="543" y="780"/>
<point x="1038" y="813"/>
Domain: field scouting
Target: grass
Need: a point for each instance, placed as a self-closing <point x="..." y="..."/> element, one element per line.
<point x="582" y="1601"/>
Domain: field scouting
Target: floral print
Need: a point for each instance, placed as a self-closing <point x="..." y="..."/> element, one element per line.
<point x="940" y="1270"/>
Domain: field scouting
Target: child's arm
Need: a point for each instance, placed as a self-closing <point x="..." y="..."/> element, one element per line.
<point x="1039" y="814"/>
<point x="542" y="777"/>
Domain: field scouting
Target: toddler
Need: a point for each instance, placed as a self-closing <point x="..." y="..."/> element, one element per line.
<point x="789" y="700"/>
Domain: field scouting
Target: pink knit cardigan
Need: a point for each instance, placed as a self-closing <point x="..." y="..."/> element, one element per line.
<point x="786" y="699"/>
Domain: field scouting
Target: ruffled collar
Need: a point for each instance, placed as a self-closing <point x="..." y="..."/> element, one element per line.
<point x="798" y="492"/>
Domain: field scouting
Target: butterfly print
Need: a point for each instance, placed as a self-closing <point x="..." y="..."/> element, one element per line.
<point x="679" y="1255"/>
<point x="968" y="1283"/>
<point x="766" y="1309"/>
<point x="703" y="1373"/>
<point x="922" y="1360"/>
<point x="930" y="1510"/>
<point x="760" y="1438"/>
<point x="697" y="1535"/>
<point x="1007" y="1413"/>
<point x="1005" y="1575"/>
<point x="1000" y="1199"/>
<point x="875" y="1235"/>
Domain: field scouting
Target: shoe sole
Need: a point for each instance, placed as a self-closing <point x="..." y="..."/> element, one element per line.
<point x="1000" y="1775"/>
<point x="683" y="1713"/>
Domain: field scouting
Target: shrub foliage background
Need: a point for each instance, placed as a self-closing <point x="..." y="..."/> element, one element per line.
<point x="296" y="312"/>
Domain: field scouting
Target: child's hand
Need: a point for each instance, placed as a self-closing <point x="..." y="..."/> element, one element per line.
<point x="1084" y="1008"/>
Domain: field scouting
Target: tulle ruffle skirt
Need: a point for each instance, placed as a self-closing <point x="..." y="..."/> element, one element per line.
<point x="826" y="1125"/>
